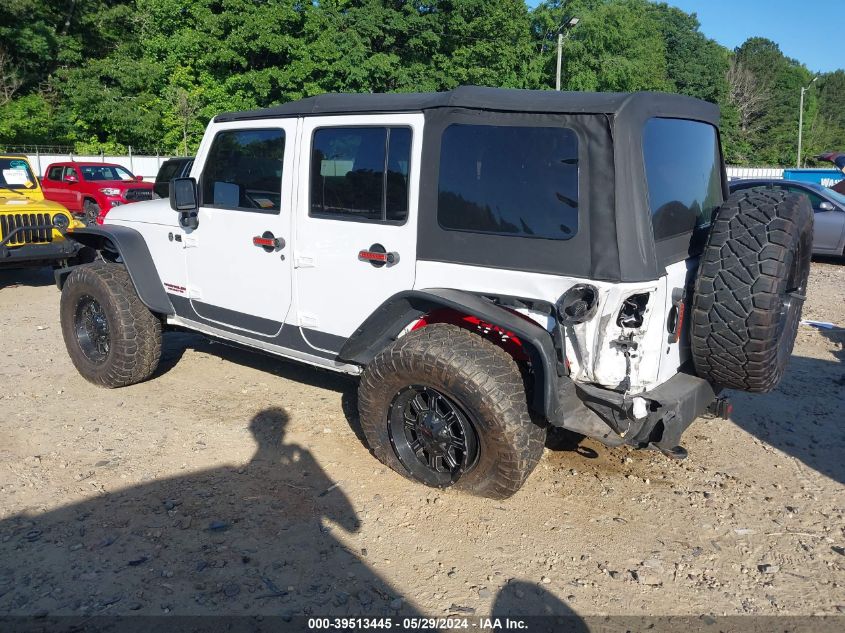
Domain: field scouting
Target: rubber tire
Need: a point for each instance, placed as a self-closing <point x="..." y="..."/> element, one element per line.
<point x="90" y="211"/>
<point x="759" y="245"/>
<point x="135" y="332"/>
<point x="482" y="379"/>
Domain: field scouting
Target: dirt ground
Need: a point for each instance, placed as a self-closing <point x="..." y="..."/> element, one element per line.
<point x="234" y="483"/>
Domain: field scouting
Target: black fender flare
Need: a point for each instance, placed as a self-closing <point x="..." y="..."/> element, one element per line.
<point x="130" y="245"/>
<point x="384" y="325"/>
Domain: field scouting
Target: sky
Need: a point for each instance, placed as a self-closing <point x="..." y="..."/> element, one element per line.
<point x="810" y="31"/>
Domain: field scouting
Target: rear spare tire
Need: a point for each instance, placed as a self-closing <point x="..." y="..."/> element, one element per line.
<point x="751" y="285"/>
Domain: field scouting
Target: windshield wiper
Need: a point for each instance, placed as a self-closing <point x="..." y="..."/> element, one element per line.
<point x="10" y="189"/>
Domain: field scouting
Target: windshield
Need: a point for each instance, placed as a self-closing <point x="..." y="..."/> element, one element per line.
<point x="16" y="174"/>
<point x="106" y="172"/>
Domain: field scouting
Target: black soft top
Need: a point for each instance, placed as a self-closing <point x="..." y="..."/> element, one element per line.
<point x="491" y="99"/>
<point x="614" y="240"/>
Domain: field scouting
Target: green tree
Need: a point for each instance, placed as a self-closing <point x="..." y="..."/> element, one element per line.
<point x="695" y="65"/>
<point x="617" y="46"/>
<point x="774" y="141"/>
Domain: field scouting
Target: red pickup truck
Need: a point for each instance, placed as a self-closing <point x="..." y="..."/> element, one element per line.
<point x="92" y="189"/>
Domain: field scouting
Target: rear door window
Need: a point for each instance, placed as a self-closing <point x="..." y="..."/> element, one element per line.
<point x="361" y="174"/>
<point x="684" y="173"/>
<point x="509" y="180"/>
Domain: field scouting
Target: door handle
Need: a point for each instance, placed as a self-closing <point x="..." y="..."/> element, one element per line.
<point x="268" y="242"/>
<point x="378" y="256"/>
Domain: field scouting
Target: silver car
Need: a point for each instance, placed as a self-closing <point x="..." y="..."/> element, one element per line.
<point x="829" y="207"/>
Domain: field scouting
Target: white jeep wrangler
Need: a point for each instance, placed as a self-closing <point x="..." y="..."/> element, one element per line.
<point x="491" y="262"/>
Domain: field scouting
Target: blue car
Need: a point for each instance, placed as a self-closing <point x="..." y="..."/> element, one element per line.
<point x="828" y="205"/>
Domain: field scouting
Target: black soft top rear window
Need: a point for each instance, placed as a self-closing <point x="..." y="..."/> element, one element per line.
<point x="509" y="180"/>
<point x="684" y="173"/>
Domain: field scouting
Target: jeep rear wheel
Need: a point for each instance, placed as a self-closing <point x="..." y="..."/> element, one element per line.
<point x="111" y="337"/>
<point x="750" y="289"/>
<point x="444" y="407"/>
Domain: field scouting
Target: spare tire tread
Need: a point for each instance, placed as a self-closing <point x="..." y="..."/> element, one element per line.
<point x="741" y="281"/>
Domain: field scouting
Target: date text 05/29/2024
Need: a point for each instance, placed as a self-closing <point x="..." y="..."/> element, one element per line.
<point x="417" y="624"/>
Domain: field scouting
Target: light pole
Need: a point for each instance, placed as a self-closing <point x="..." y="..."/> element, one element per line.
<point x="567" y="25"/>
<point x="801" y="119"/>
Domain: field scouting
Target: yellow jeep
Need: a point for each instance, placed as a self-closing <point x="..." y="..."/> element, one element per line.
<point x="32" y="229"/>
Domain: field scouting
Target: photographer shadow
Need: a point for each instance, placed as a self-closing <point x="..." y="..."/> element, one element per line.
<point x="257" y="539"/>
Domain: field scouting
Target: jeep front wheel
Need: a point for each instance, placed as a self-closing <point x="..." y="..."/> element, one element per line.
<point x="111" y="337"/>
<point x="444" y="407"/>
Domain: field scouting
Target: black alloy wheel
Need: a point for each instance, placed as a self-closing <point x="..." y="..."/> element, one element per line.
<point x="432" y="437"/>
<point x="92" y="329"/>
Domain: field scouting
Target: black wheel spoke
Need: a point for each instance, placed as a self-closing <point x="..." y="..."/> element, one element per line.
<point x="419" y="403"/>
<point x="458" y="443"/>
<point x="431" y="436"/>
<point x="434" y="401"/>
<point x="92" y="329"/>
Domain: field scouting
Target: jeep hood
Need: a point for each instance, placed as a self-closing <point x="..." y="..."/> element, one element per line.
<point x="11" y="203"/>
<point x="149" y="212"/>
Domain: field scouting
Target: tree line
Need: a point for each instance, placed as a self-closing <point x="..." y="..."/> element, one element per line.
<point x="108" y="74"/>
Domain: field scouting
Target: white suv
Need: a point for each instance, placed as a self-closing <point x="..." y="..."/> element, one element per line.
<point x="491" y="262"/>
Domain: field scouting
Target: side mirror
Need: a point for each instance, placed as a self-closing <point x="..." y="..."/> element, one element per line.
<point x="183" y="194"/>
<point x="183" y="199"/>
<point x="139" y="179"/>
<point x="71" y="179"/>
<point x="826" y="206"/>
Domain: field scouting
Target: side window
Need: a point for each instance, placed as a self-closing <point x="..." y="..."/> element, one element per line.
<point x="55" y="173"/>
<point x="684" y="172"/>
<point x="243" y="171"/>
<point x="70" y="172"/>
<point x="815" y="199"/>
<point x="360" y="173"/>
<point x="509" y="180"/>
<point x="167" y="172"/>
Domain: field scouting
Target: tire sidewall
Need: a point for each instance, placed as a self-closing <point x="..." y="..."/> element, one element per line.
<point x="82" y="282"/>
<point x="471" y="404"/>
<point x="509" y="442"/>
<point x="800" y="256"/>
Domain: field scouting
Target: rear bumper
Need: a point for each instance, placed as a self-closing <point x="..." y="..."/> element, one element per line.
<point x="59" y="249"/>
<point x="667" y="411"/>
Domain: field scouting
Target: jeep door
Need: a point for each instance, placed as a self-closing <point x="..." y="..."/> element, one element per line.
<point x="238" y="264"/>
<point x="356" y="221"/>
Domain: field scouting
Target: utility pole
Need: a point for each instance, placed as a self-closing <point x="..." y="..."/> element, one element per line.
<point x="801" y="119"/>
<point x="560" y="35"/>
<point x="560" y="56"/>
